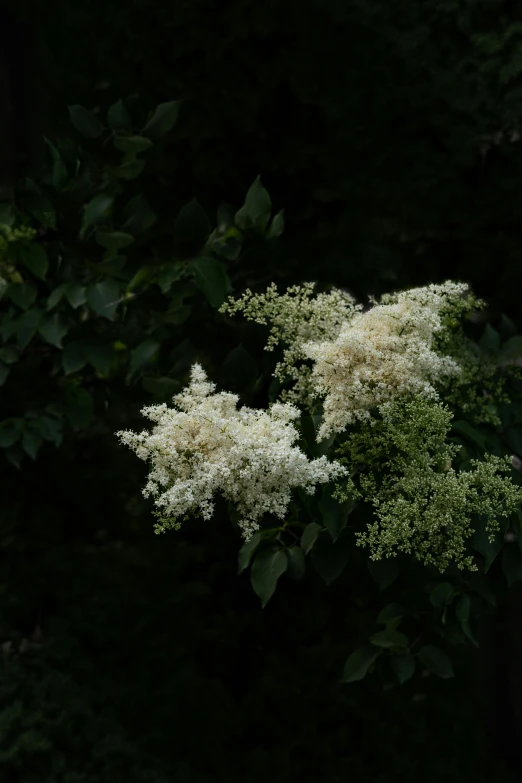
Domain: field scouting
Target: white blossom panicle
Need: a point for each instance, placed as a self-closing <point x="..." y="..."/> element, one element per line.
<point x="207" y="446"/>
<point x="382" y="354"/>
<point x="296" y="317"/>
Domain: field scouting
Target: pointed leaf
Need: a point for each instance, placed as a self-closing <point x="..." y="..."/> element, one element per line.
<point x="113" y="240"/>
<point x="441" y="594"/>
<point x="53" y="329"/>
<point x="95" y="211"/>
<point x="436" y="661"/>
<point x="76" y="294"/>
<point x="212" y="280"/>
<point x="191" y="227"/>
<point x="277" y="226"/>
<point x="56" y="296"/>
<point x="130" y="170"/>
<point x="73" y="357"/>
<point x="132" y="144"/>
<point x="246" y="552"/>
<point x="162" y="121"/>
<point x="389" y="638"/>
<point x="384" y="572"/>
<point x="309" y="536"/>
<point x="143" y="354"/>
<point x="10" y="431"/>
<point x="85" y="122"/>
<point x="267" y="567"/>
<point x="22" y="294"/>
<point x="103" y="298"/>
<point x="296" y="562"/>
<point x="403" y="666"/>
<point x="359" y="662"/>
<point x="139" y="215"/>
<point x="329" y="559"/>
<point x="391" y="612"/>
<point x="512" y="563"/>
<point x="118" y="117"/>
<point x="31" y="443"/>
<point x="255" y="213"/>
<point x="334" y="514"/>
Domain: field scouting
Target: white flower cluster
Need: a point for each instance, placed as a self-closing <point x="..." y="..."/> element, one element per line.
<point x="382" y="354"/>
<point x="209" y="446"/>
<point x="296" y="317"/>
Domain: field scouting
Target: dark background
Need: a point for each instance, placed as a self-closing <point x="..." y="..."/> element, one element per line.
<point x="389" y="132"/>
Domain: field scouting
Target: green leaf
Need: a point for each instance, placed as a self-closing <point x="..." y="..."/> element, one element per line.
<point x="391" y="612"/>
<point x="95" y="211"/>
<point x="309" y="536"/>
<point x="246" y="552"/>
<point x="56" y="296"/>
<point x="481" y="584"/>
<point x="488" y="549"/>
<point x="10" y="431"/>
<point x="277" y="226"/>
<point x="162" y="121"/>
<point x="255" y="213"/>
<point x="31" y="443"/>
<point x="144" y="354"/>
<point x="7" y="214"/>
<point x="34" y="257"/>
<point x="403" y="666"/>
<point x="50" y="429"/>
<point x="267" y="567"/>
<point x="512" y="563"/>
<point x="73" y="357"/>
<point x="168" y="275"/>
<point x="490" y="340"/>
<point x="191" y="227"/>
<point x="75" y="294"/>
<point x="130" y="170"/>
<point x="333" y="513"/>
<point x="330" y="558"/>
<point x="139" y="215"/>
<point x="85" y="122"/>
<point x="27" y="325"/>
<point x="212" y="280"/>
<point x="38" y="205"/>
<point x="60" y="175"/>
<point x="103" y="298"/>
<point x="9" y="353"/>
<point x="441" y="594"/>
<point x="296" y="562"/>
<point x="462" y="608"/>
<point x="511" y="350"/>
<point x="389" y="638"/>
<point x="53" y="329"/>
<point x="383" y="572"/>
<point x="100" y="356"/>
<point x="359" y="662"/>
<point x="132" y="144"/>
<point x="436" y="661"/>
<point x="113" y="240"/>
<point x="118" y="118"/>
<point x="22" y="294"/>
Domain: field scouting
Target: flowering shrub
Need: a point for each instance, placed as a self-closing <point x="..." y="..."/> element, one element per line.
<point x="382" y="369"/>
<point x="248" y="455"/>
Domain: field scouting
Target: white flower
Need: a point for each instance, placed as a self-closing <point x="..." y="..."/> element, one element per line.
<point x="296" y="317"/>
<point x="209" y="446"/>
<point x="381" y="354"/>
